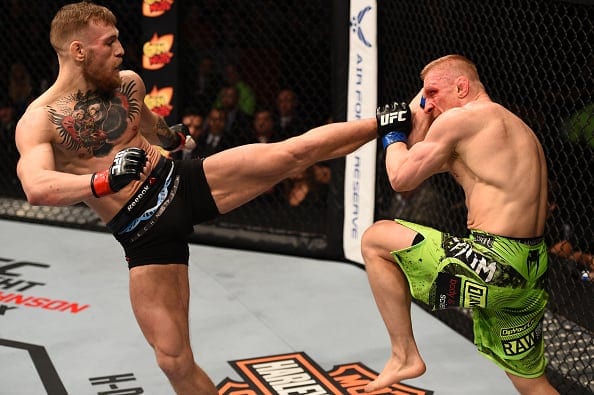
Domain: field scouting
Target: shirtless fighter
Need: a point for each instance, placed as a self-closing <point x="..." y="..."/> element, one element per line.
<point x="498" y="270"/>
<point x="90" y="138"/>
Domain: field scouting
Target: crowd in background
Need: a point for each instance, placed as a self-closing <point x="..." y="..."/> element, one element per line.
<point x="222" y="110"/>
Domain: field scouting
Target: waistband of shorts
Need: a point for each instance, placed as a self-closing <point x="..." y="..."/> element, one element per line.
<point x="153" y="183"/>
<point x="531" y="241"/>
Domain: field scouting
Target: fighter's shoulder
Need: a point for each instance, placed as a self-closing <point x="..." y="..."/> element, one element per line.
<point x="37" y="112"/>
<point x="471" y="113"/>
<point x="130" y="77"/>
<point x="129" y="74"/>
<point x="35" y="124"/>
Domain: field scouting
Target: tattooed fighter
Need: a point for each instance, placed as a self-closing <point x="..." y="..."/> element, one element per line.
<point x="90" y="138"/>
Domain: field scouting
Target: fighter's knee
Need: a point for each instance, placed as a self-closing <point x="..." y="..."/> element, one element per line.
<point x="371" y="234"/>
<point x="175" y="366"/>
<point x="372" y="238"/>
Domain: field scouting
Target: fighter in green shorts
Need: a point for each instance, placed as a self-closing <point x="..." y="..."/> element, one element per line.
<point x="452" y="126"/>
<point x="500" y="279"/>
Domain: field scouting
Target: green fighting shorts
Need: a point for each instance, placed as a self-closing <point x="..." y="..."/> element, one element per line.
<point x="501" y="279"/>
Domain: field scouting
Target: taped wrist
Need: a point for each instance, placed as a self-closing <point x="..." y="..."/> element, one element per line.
<point x="394" y="137"/>
<point x="179" y="144"/>
<point x="100" y="184"/>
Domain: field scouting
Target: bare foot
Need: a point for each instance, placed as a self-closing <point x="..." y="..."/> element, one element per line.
<point x="397" y="370"/>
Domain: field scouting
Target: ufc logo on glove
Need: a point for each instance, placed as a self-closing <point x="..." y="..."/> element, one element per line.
<point x="388" y="119"/>
<point x="118" y="162"/>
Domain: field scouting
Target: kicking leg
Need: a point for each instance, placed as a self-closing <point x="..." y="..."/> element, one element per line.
<point x="239" y="174"/>
<point x="160" y="301"/>
<point x="392" y="296"/>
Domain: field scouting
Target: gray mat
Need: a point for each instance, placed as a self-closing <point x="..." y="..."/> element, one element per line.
<point x="66" y="325"/>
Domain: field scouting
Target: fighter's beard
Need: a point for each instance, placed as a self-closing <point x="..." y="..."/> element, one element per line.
<point x="105" y="81"/>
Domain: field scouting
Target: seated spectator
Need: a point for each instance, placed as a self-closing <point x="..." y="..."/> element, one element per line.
<point x="263" y="127"/>
<point x="10" y="185"/>
<point x="215" y="138"/>
<point x="580" y="126"/>
<point x="563" y="240"/>
<point x="20" y="88"/>
<point x="289" y="121"/>
<point x="583" y="260"/>
<point x="8" y="118"/>
<point x="246" y="96"/>
<point x="309" y="188"/>
<point x="194" y="121"/>
<point x="238" y="123"/>
<point x="207" y="85"/>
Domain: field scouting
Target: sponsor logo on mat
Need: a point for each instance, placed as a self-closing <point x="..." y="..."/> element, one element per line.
<point x="297" y="373"/>
<point x="16" y="288"/>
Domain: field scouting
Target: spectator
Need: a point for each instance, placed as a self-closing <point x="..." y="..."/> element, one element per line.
<point x="264" y="127"/>
<point x="20" y="88"/>
<point x="7" y="117"/>
<point x="207" y="85"/>
<point x="246" y="96"/>
<point x="238" y="122"/>
<point x="308" y="186"/>
<point x="10" y="155"/>
<point x="564" y="239"/>
<point x="194" y="121"/>
<point x="288" y="119"/>
<point x="215" y="139"/>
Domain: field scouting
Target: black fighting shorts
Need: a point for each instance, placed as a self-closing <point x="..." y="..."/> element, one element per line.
<point x="154" y="225"/>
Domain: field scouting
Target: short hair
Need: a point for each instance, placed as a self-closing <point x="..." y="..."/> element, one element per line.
<point x="72" y="18"/>
<point x="459" y="63"/>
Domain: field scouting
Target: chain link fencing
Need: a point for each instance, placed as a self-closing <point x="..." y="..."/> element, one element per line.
<point x="537" y="59"/>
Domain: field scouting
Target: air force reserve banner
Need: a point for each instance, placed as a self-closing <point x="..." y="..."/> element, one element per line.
<point x="359" y="192"/>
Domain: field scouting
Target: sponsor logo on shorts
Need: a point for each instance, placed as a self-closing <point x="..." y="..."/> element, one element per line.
<point x="448" y="291"/>
<point x="524" y="343"/>
<point x="475" y="295"/>
<point x="297" y="373"/>
<point x="485" y="240"/>
<point x="482" y="265"/>
<point x="516" y="330"/>
<point x="138" y="197"/>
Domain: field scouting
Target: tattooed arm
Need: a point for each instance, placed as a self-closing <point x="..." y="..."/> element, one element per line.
<point x="156" y="131"/>
<point x="36" y="169"/>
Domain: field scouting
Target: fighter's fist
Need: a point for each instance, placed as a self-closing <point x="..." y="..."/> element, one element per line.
<point x="127" y="166"/>
<point x="182" y="132"/>
<point x="393" y="123"/>
<point x="186" y="141"/>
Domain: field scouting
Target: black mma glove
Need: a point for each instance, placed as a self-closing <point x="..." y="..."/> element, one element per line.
<point x="181" y="132"/>
<point x="393" y="123"/>
<point x="127" y="166"/>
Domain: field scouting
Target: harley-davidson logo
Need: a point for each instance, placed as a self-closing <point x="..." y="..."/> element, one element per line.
<point x="297" y="373"/>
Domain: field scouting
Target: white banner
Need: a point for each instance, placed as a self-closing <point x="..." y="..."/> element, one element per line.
<point x="359" y="184"/>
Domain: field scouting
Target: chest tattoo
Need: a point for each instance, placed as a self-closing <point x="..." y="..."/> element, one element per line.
<point x="91" y="121"/>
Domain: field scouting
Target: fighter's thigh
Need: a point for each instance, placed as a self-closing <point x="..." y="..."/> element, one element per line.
<point x="239" y="174"/>
<point x="387" y="236"/>
<point x="160" y="296"/>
